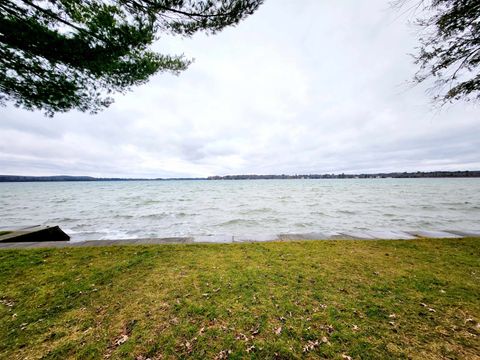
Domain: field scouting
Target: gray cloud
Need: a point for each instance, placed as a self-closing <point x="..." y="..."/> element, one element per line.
<point x="299" y="87"/>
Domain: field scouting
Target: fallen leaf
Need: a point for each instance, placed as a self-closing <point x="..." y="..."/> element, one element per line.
<point x="278" y="331"/>
<point x="250" y="349"/>
<point x="242" y="337"/>
<point x="346" y="357"/>
<point x="189" y="346"/>
<point x="392" y="316"/>
<point x="355" y="328"/>
<point x="431" y="310"/>
<point x="122" y="339"/>
<point x="310" y="345"/>
<point x="6" y="302"/>
<point x="222" y="355"/>
<point x="142" y="357"/>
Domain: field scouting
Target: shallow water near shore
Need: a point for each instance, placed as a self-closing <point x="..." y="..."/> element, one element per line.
<point x="140" y="209"/>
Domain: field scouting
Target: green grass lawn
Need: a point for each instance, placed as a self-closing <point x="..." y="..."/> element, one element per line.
<point x="313" y="299"/>
<point x="4" y="232"/>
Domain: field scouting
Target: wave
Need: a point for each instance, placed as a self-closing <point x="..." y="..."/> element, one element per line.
<point x="151" y="202"/>
<point x="257" y="211"/>
<point x="304" y="224"/>
<point x="183" y="214"/>
<point x="347" y="212"/>
<point x="120" y="216"/>
<point x="239" y="222"/>
<point x="390" y="215"/>
<point x="156" y="216"/>
<point x="320" y="213"/>
<point x="63" y="219"/>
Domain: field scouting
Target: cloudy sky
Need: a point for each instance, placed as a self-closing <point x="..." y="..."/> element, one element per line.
<point x="299" y="87"/>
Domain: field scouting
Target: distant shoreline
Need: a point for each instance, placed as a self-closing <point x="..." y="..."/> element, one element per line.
<point x="395" y="175"/>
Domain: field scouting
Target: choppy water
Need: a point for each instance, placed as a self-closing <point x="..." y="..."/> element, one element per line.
<point x="115" y="210"/>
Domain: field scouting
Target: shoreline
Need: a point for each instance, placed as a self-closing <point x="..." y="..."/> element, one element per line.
<point x="233" y="239"/>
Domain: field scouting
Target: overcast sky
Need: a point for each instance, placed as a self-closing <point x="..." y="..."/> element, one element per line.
<point x="299" y="87"/>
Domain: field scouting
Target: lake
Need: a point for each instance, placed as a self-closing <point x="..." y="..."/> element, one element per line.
<point x="138" y="209"/>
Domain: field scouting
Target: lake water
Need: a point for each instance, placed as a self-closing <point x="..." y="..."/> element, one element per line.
<point x="138" y="209"/>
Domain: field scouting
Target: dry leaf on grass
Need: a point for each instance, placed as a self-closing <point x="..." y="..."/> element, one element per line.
<point x="6" y="302"/>
<point x="310" y="345"/>
<point x="222" y="355"/>
<point x="121" y="340"/>
<point x="242" y="336"/>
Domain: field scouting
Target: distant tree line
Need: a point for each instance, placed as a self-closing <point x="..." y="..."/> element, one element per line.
<point x="418" y="174"/>
<point x="19" y="178"/>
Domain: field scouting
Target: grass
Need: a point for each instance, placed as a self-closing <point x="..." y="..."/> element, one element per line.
<point x="4" y="232"/>
<point x="312" y="299"/>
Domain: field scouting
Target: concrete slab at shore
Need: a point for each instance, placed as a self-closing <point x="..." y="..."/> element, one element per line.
<point x="361" y="235"/>
<point x="308" y="236"/>
<point x="226" y="239"/>
<point x="217" y="239"/>
<point x="35" y="233"/>
<point x="390" y="235"/>
<point x="466" y="233"/>
<point x="433" y="234"/>
<point x="254" y="238"/>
